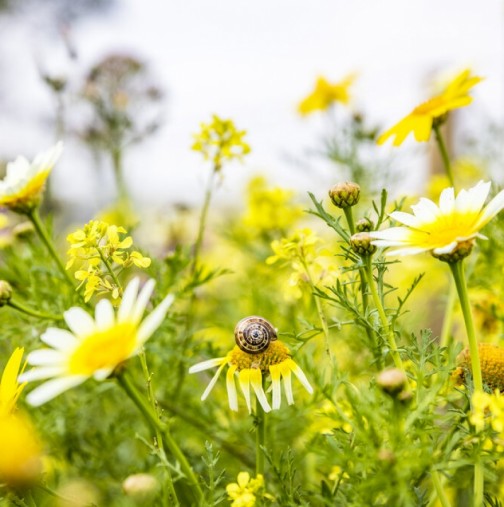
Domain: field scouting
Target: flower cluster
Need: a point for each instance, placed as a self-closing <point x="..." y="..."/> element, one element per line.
<point x="102" y="251"/>
<point x="244" y="492"/>
<point x="220" y="141"/>
<point x="325" y="94"/>
<point x="488" y="411"/>
<point x="21" y="189"/>
<point x="421" y="120"/>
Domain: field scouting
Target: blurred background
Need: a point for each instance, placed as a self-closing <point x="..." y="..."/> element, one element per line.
<point x="180" y="62"/>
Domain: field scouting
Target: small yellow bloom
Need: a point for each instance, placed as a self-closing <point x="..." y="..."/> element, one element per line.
<point x="441" y="229"/>
<point x="325" y="94"/>
<point x="420" y="120"/>
<point x="275" y="361"/>
<point x="243" y="492"/>
<point x="220" y="141"/>
<point x="93" y="347"/>
<point x="21" y="453"/>
<point x="10" y="389"/>
<point x="21" y="189"/>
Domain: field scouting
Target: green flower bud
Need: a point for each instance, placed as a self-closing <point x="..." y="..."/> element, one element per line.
<point x="462" y="250"/>
<point x="361" y="244"/>
<point x="345" y="195"/>
<point x="5" y="292"/>
<point x="364" y="225"/>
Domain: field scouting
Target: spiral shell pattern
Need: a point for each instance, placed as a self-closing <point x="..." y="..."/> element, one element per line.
<point x="254" y="334"/>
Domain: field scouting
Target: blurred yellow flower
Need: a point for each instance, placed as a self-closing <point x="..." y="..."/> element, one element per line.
<point x="10" y="389"/>
<point x="441" y="229"/>
<point x="243" y="492"/>
<point x="492" y="365"/>
<point x="250" y="369"/>
<point x="220" y="141"/>
<point x="22" y="187"/>
<point x="21" y="452"/>
<point x="420" y="120"/>
<point x="93" y="347"/>
<point x="325" y="94"/>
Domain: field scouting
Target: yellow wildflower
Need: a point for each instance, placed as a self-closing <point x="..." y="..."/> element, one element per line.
<point x="220" y="141"/>
<point x="420" y="120"/>
<point x="325" y="94"/>
<point x="243" y="493"/>
<point x="21" y="189"/>
<point x="442" y="229"/>
<point x="10" y="389"/>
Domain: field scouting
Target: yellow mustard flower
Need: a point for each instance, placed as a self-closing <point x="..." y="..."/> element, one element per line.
<point x="244" y="492"/>
<point x="250" y="366"/>
<point x="21" y="452"/>
<point x="420" y="120"/>
<point x="21" y="189"/>
<point x="93" y="347"/>
<point x="220" y="141"/>
<point x="441" y="229"/>
<point x="325" y="94"/>
<point x="10" y="388"/>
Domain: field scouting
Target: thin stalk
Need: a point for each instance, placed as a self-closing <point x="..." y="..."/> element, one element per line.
<point x="350" y="220"/>
<point x="448" y="316"/>
<point x="110" y="270"/>
<point x="260" y="437"/>
<point x="438" y="486"/>
<point x="156" y="425"/>
<point x="444" y="154"/>
<point x="381" y="312"/>
<point x="44" y="236"/>
<point x="203" y="220"/>
<point x="457" y="269"/>
<point x="33" y="313"/>
<point x="117" y="157"/>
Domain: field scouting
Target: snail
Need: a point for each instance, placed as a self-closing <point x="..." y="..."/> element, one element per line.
<point x="254" y="334"/>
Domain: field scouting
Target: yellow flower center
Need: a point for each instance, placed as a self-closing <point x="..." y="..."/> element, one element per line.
<point x="103" y="349"/>
<point x="276" y="353"/>
<point x="30" y="191"/>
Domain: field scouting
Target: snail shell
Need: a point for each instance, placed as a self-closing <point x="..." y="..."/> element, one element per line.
<point x="254" y="334"/>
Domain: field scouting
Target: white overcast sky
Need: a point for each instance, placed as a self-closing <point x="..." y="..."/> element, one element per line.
<point x="251" y="61"/>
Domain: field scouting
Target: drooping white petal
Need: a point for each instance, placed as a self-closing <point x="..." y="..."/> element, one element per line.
<point x="300" y="375"/>
<point x="276" y="386"/>
<point x="206" y="365"/>
<point x="102" y="374"/>
<point x="104" y="315"/>
<point x="41" y="373"/>
<point x="286" y="374"/>
<point x="231" y="388"/>
<point x="60" y="339"/>
<point x="154" y="319"/>
<point x="44" y="357"/>
<point x="142" y="300"/>
<point x="212" y="382"/>
<point x="244" y="379"/>
<point x="79" y="321"/>
<point x="256" y="383"/>
<point x="52" y="388"/>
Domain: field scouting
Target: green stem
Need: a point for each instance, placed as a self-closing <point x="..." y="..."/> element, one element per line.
<point x="444" y="154"/>
<point x="457" y="270"/>
<point x="117" y="156"/>
<point x="156" y="425"/>
<point x="203" y="220"/>
<point x="41" y="231"/>
<point x="368" y="267"/>
<point x="350" y="220"/>
<point x="438" y="486"/>
<point x="260" y="437"/>
<point x="110" y="270"/>
<point x="33" y="313"/>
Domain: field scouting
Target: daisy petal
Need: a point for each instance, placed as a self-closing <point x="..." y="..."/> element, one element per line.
<point x="256" y="383"/>
<point x="154" y="319"/>
<point x="212" y="382"/>
<point x="244" y="379"/>
<point x="128" y="300"/>
<point x="41" y="373"/>
<point x="104" y="315"/>
<point x="45" y="357"/>
<point x="59" y="339"/>
<point x="300" y="375"/>
<point x="206" y="365"/>
<point x="52" y="388"/>
<point x="142" y="300"/>
<point x="79" y="321"/>
<point x="231" y="388"/>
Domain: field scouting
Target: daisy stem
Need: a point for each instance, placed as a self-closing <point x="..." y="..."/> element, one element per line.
<point x="156" y="425"/>
<point x="33" y="313"/>
<point x="448" y="316"/>
<point x="381" y="312"/>
<point x="438" y="486"/>
<point x="457" y="269"/>
<point x="260" y="437"/>
<point x="34" y="217"/>
<point x="350" y="220"/>
<point x="444" y="154"/>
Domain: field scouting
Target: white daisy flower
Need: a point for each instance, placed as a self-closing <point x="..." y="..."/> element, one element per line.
<point x="22" y="187"/>
<point x="441" y="228"/>
<point x="93" y="347"/>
